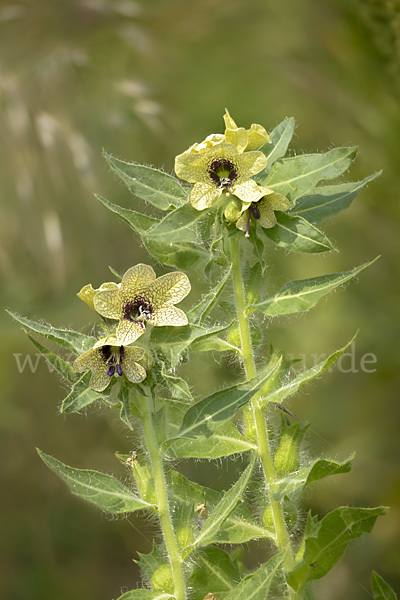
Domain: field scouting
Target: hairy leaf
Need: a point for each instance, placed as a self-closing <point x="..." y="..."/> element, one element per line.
<point x="143" y="594"/>
<point x="214" y="570"/>
<point x="100" y="489"/>
<point x="296" y="176"/>
<point x="327" y="201"/>
<point x="380" y="589"/>
<point x="298" y="235"/>
<point x="160" y="189"/>
<point x="56" y="362"/>
<point x="199" y="312"/>
<point x="326" y="544"/>
<point x="257" y="585"/>
<point x="77" y="342"/>
<point x="212" y="524"/>
<point x="293" y="485"/>
<point x="302" y="294"/>
<point x="81" y="395"/>
<point x="139" y="222"/>
<point x="280" y="138"/>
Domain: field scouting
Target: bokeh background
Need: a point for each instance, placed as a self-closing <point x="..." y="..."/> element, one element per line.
<point x="145" y="80"/>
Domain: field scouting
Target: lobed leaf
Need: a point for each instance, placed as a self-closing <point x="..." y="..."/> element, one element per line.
<point x="156" y="187"/>
<point x="104" y="491"/>
<point x="298" y="235"/>
<point x="296" y="176"/>
<point x="380" y="589"/>
<point x="327" y="201"/>
<point x="257" y="585"/>
<point x="327" y="541"/>
<point x="77" y="342"/>
<point x="293" y="485"/>
<point x="302" y="294"/>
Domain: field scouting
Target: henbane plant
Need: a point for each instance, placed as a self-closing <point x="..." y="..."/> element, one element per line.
<point x="234" y="194"/>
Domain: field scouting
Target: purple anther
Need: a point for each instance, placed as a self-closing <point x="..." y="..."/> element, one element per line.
<point x="255" y="212"/>
<point x="119" y="370"/>
<point x="111" y="371"/>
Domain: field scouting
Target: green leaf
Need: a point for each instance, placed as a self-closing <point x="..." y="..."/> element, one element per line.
<point x="139" y="222"/>
<point x="81" y="395"/>
<point x="199" y="312"/>
<point x="213" y="343"/>
<point x="125" y="412"/>
<point x="179" y="224"/>
<point x="172" y="342"/>
<point x="202" y="418"/>
<point x="214" y="570"/>
<point x="380" y="589"/>
<point x="293" y="485"/>
<point x="77" y="342"/>
<point x="239" y="527"/>
<point x="327" y="201"/>
<point x="175" y="253"/>
<point x="327" y="542"/>
<point x="290" y="387"/>
<point x="178" y="386"/>
<point x="56" y="362"/>
<point x="257" y="585"/>
<point x="296" y="176"/>
<point x="298" y="235"/>
<point x="225" y="440"/>
<point x="209" y="532"/>
<point x="280" y="139"/>
<point x="302" y="294"/>
<point x="143" y="594"/>
<point x="156" y="187"/>
<point x="104" y="491"/>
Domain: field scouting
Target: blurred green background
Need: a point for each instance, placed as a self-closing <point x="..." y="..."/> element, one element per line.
<point x="145" y="80"/>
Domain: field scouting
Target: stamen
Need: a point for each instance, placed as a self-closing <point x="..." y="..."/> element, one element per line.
<point x="111" y="371"/>
<point x="248" y="225"/>
<point x="255" y="211"/>
<point x="119" y="370"/>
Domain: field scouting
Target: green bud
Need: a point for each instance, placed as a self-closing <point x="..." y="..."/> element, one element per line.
<point x="233" y="210"/>
<point x="184" y="536"/>
<point x="162" y="581"/>
<point x="287" y="454"/>
<point x="233" y="337"/>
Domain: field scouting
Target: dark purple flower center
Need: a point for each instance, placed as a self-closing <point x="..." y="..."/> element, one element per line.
<point x="113" y="357"/>
<point x="138" y="310"/>
<point x="223" y="173"/>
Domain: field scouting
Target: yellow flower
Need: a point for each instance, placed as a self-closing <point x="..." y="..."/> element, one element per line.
<point x="142" y="298"/>
<point x="87" y="293"/>
<point x="245" y="140"/>
<point x="219" y="168"/>
<point x="262" y="210"/>
<point x="107" y="358"/>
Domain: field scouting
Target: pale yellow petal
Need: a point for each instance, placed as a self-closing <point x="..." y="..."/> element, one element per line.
<point x="136" y="278"/>
<point x="87" y="293"/>
<point x="257" y="137"/>
<point x="129" y="331"/>
<point x="93" y="361"/>
<point x="238" y="137"/>
<point x="108" y="304"/>
<point x="248" y="191"/>
<point x="251" y="163"/>
<point x="278" y="201"/>
<point x="203" y="195"/>
<point x="131" y="369"/>
<point x="241" y="223"/>
<point x="229" y="122"/>
<point x="267" y="216"/>
<point x="169" y="315"/>
<point x="170" y="288"/>
<point x="133" y="353"/>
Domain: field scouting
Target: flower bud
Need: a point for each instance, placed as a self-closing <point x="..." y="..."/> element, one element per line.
<point x="233" y="210"/>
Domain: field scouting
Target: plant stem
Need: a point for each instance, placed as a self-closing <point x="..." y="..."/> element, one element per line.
<point x="264" y="451"/>
<point x="162" y="501"/>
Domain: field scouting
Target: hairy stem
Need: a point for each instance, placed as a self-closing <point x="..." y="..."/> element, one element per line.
<point x="264" y="451"/>
<point x="162" y="501"/>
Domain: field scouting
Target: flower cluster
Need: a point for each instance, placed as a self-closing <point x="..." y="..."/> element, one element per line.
<point x="225" y="164"/>
<point x="139" y="299"/>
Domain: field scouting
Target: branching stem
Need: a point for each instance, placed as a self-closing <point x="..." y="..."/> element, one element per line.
<point x="162" y="501"/>
<point x="264" y="451"/>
